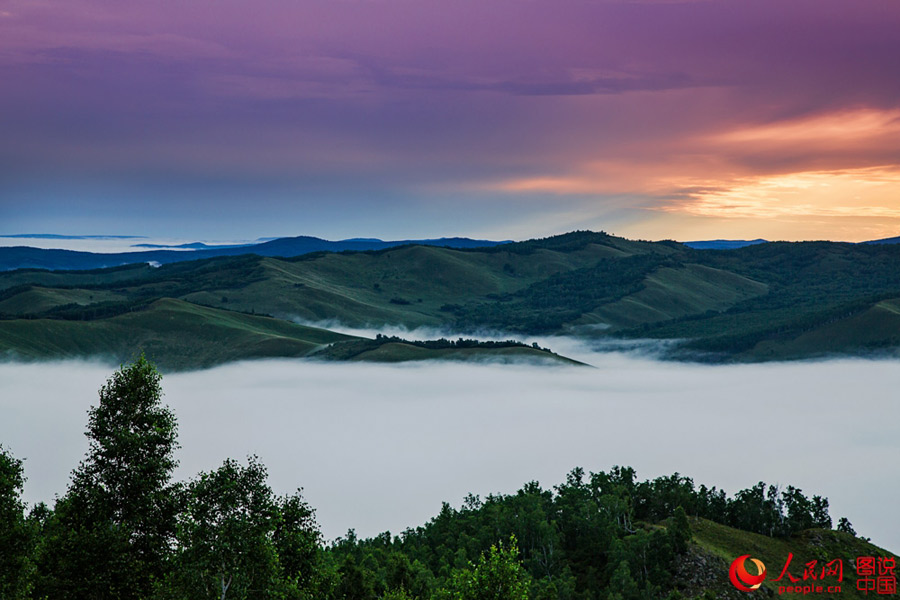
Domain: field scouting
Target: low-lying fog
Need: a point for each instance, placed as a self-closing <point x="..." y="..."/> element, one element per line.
<point x="379" y="447"/>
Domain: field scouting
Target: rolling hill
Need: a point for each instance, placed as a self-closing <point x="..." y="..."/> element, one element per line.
<point x="776" y="300"/>
<point x="179" y="335"/>
<point x="174" y="333"/>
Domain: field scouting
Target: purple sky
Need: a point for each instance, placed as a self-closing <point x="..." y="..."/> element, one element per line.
<point x="503" y="119"/>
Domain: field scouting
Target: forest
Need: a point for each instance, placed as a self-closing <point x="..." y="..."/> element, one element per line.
<point x="125" y="528"/>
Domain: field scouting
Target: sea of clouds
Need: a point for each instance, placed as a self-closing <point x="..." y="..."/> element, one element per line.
<point x="379" y="447"/>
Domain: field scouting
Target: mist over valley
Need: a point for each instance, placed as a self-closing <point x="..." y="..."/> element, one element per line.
<point x="379" y="447"/>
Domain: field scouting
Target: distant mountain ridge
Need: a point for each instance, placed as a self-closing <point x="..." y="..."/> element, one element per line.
<point x="26" y="257"/>
<point x="735" y="244"/>
<point x="192" y="246"/>
<point x="890" y="240"/>
<point x="723" y="244"/>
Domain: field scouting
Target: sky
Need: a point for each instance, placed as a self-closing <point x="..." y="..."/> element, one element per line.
<point x="396" y="119"/>
<point x="374" y="451"/>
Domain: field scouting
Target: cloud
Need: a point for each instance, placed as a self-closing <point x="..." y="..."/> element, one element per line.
<point x="552" y="82"/>
<point x="862" y="193"/>
<point x="380" y="447"/>
<point x="833" y="175"/>
<point x="861" y="125"/>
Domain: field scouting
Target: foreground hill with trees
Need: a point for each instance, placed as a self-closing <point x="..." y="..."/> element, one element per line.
<point x="770" y="301"/>
<point x="125" y="529"/>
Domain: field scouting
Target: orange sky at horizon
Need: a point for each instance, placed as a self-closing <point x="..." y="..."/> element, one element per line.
<point x="830" y="176"/>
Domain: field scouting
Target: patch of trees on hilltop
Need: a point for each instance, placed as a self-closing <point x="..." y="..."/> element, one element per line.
<point x="445" y="344"/>
<point x="346" y="350"/>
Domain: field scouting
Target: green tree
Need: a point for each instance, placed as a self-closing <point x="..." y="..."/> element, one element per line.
<point x="680" y="531"/>
<point x="15" y="534"/>
<point x="398" y="594"/>
<point x="622" y="585"/>
<point x="356" y="582"/>
<point x="129" y="466"/>
<point x="110" y="534"/>
<point x="297" y="542"/>
<point x="845" y="526"/>
<point x="225" y="534"/>
<point x="498" y="576"/>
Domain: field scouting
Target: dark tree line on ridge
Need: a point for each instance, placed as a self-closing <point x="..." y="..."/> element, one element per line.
<point x="124" y="529"/>
<point x="346" y="350"/>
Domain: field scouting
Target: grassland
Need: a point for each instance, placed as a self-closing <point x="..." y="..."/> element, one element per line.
<point x="180" y="335"/>
<point x="174" y="333"/>
<point x="763" y="302"/>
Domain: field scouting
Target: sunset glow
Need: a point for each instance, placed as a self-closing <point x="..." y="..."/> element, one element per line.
<point x="402" y="119"/>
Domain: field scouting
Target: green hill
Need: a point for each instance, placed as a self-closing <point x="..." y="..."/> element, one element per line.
<point x="761" y="302"/>
<point x="35" y="300"/>
<point x="874" y="330"/>
<point x="179" y="335"/>
<point x="176" y="334"/>
<point x="393" y="349"/>
<point x="407" y="285"/>
<point x="671" y="293"/>
<point x="715" y="546"/>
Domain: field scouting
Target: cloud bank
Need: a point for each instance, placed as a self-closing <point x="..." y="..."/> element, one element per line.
<point x="380" y="447"/>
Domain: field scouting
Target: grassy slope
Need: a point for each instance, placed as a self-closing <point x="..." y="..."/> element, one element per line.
<point x="39" y="299"/>
<point x="875" y="329"/>
<point x="10" y="279"/>
<point x="179" y="335"/>
<point x="358" y="289"/>
<point x="718" y="545"/>
<point x="671" y="293"/>
<point x="176" y="334"/>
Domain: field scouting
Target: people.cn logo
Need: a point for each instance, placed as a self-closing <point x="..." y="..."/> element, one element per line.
<point x="741" y="578"/>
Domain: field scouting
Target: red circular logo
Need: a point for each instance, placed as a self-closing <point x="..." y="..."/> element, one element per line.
<point x="741" y="578"/>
